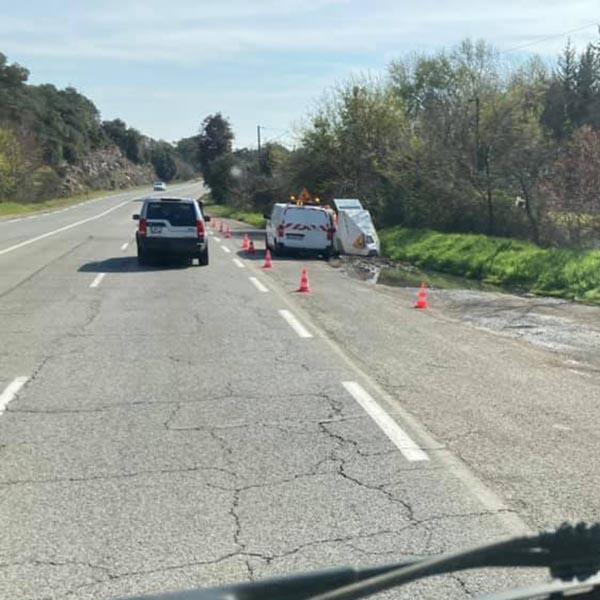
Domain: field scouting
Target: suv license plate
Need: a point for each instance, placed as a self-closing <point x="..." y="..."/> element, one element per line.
<point x="156" y="229"/>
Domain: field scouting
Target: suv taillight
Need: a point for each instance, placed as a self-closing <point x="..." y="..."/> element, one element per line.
<point x="280" y="231"/>
<point x="200" y="228"/>
<point x="143" y="227"/>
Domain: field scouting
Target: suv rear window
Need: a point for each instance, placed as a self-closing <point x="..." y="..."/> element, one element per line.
<point x="178" y="214"/>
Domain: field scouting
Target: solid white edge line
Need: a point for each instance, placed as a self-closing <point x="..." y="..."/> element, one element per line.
<point x="218" y="240"/>
<point x="295" y="324"/>
<point x="124" y="246"/>
<point x="238" y="263"/>
<point x="61" y="229"/>
<point x="258" y="284"/>
<point x="97" y="280"/>
<point x="485" y="495"/>
<point x="225" y="249"/>
<point x="397" y="435"/>
<point x="10" y="391"/>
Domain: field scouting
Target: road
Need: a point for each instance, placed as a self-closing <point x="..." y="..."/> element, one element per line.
<point x="168" y="427"/>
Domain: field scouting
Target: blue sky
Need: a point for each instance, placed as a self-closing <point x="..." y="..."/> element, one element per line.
<point x="162" y="66"/>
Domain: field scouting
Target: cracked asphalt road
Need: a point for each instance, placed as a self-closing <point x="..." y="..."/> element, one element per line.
<point x="176" y="432"/>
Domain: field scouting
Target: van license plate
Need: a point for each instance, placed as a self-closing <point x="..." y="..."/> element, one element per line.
<point x="294" y="236"/>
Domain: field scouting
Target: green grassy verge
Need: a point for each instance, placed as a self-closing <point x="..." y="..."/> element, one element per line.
<point x="252" y="218"/>
<point x="500" y="261"/>
<point x="15" y="209"/>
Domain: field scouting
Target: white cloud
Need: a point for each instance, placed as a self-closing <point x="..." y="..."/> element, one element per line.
<point x="200" y="32"/>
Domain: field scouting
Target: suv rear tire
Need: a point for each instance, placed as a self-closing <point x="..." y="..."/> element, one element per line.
<point x="203" y="258"/>
<point x="142" y="257"/>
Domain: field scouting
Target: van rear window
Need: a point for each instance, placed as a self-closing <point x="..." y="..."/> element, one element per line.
<point x="307" y="216"/>
<point x="178" y="214"/>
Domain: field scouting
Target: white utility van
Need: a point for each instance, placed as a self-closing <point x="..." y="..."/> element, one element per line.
<point x="300" y="227"/>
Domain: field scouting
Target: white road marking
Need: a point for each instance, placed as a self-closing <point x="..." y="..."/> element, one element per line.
<point x="258" y="284"/>
<point x="399" y="437"/>
<point x="11" y="390"/>
<point x="295" y="324"/>
<point x="238" y="263"/>
<point x="61" y="229"/>
<point x="225" y="249"/>
<point x="124" y="246"/>
<point x="218" y="240"/>
<point x="97" y="280"/>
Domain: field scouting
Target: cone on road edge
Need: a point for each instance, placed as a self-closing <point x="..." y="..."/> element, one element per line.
<point x="304" y="284"/>
<point x="268" y="262"/>
<point x="245" y="242"/>
<point x="422" y="297"/>
<point x="228" y="233"/>
<point x="221" y="227"/>
<point x="251" y="249"/>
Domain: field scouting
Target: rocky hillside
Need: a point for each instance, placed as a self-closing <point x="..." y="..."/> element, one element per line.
<point x="107" y="169"/>
<point x="53" y="142"/>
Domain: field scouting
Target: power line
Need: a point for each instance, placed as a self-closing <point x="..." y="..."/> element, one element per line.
<point x="550" y="37"/>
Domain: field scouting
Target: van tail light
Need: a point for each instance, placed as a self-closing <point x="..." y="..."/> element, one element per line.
<point x="200" y="229"/>
<point x="143" y="227"/>
<point x="280" y="231"/>
<point x="330" y="233"/>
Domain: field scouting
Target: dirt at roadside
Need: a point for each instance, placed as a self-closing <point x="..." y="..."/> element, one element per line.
<point x="568" y="329"/>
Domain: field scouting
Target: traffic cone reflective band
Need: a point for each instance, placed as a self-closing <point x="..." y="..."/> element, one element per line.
<point x="422" y="297"/>
<point x="251" y="249"/>
<point x="304" y="285"/>
<point x="245" y="242"/>
<point x="268" y="262"/>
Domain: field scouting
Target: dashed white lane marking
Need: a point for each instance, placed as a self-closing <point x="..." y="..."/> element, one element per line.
<point x="10" y="391"/>
<point x="399" y="437"/>
<point x="218" y="240"/>
<point x="258" y="284"/>
<point x="61" y="229"/>
<point x="97" y="280"/>
<point x="238" y="263"/>
<point x="295" y="324"/>
<point x="225" y="249"/>
<point x="124" y="246"/>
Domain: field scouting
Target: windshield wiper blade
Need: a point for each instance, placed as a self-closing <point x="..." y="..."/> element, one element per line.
<point x="588" y="589"/>
<point x="570" y="552"/>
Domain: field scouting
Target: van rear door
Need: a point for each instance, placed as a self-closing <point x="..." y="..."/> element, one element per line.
<point x="307" y="227"/>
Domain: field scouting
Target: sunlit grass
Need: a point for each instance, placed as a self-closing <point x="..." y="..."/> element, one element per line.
<point x="252" y="218"/>
<point x="511" y="263"/>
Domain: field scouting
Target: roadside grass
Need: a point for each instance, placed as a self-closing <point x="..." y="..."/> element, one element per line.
<point x="220" y="211"/>
<point x="16" y="209"/>
<point x="500" y="261"/>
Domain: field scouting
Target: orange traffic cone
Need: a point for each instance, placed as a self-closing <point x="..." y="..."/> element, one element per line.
<point x="251" y="249"/>
<point x="215" y="224"/>
<point x="422" y="297"/>
<point x="221" y="227"/>
<point x="304" y="285"/>
<point x="245" y="242"/>
<point x="268" y="262"/>
<point x="228" y="233"/>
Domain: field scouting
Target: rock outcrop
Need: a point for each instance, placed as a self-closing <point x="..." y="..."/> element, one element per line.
<point x="105" y="168"/>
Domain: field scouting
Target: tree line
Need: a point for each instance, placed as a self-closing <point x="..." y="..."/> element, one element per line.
<point x="457" y="140"/>
<point x="44" y="129"/>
